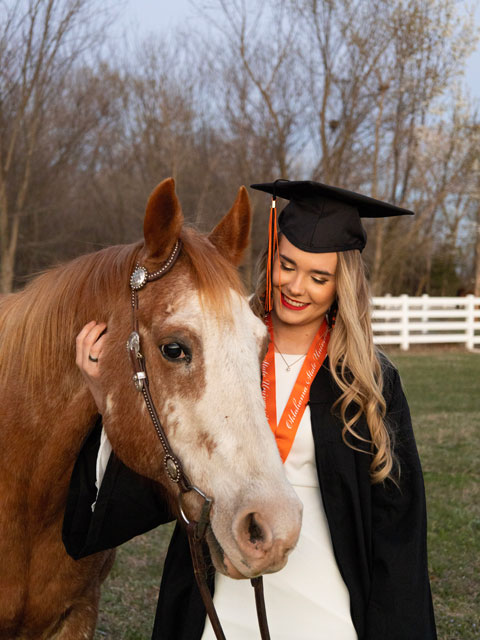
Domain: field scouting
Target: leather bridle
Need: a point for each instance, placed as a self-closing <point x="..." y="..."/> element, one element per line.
<point x="196" y="530"/>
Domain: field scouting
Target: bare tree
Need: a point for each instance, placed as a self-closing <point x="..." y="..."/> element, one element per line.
<point x="40" y="43"/>
<point x="262" y="97"/>
<point x="378" y="71"/>
<point x="475" y="212"/>
<point x="352" y="93"/>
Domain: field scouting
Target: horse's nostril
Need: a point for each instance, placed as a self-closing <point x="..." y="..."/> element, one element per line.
<point x="254" y="529"/>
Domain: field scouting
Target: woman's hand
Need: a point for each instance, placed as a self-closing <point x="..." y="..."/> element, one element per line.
<point x="89" y="345"/>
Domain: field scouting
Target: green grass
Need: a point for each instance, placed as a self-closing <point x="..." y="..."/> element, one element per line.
<point x="443" y="389"/>
<point x="129" y="595"/>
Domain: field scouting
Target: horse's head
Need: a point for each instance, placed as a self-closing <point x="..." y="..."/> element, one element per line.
<point x="203" y="348"/>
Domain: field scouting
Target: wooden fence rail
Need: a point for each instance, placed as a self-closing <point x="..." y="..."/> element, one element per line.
<point x="405" y="320"/>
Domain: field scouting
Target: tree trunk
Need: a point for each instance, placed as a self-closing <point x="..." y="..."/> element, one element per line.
<point x="477" y="255"/>
<point x="6" y="274"/>
<point x="377" y="260"/>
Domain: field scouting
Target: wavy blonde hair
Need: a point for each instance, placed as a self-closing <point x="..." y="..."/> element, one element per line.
<point x="354" y="362"/>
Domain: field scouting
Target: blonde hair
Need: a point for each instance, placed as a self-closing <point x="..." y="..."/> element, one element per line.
<point x="354" y="363"/>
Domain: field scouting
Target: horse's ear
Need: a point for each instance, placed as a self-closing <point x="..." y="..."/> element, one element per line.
<point x="163" y="220"/>
<point x="232" y="234"/>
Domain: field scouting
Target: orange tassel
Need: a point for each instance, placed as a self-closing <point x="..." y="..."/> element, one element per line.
<point x="272" y="249"/>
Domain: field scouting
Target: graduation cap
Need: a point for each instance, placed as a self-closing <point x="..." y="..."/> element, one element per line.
<point x="320" y="218"/>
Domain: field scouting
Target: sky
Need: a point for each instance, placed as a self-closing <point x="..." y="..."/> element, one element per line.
<point x="144" y="16"/>
<point x="154" y="15"/>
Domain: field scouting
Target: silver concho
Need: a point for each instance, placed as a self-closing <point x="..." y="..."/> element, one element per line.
<point x="172" y="468"/>
<point x="138" y="279"/>
<point x="133" y="343"/>
<point x="138" y="379"/>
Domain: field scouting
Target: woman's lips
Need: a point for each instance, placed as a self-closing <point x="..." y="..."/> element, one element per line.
<point x="293" y="304"/>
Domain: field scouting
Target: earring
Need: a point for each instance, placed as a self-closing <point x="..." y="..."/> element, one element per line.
<point x="331" y="314"/>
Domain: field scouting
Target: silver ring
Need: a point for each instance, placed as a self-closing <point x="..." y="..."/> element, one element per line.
<point x="92" y="359"/>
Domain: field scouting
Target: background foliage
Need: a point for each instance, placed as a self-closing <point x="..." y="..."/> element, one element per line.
<point x="365" y="95"/>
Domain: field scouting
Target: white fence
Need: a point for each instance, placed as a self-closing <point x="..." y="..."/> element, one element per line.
<point x="404" y="320"/>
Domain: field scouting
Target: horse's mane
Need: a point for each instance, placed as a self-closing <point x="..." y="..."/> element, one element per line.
<point x="213" y="274"/>
<point x="39" y="323"/>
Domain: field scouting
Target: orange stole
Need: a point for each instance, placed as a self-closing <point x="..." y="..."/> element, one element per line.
<point x="286" y="429"/>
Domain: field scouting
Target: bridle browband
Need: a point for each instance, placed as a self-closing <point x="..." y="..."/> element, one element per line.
<point x="196" y="530"/>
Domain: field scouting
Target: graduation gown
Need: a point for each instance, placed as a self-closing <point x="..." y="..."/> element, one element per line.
<point x="378" y="531"/>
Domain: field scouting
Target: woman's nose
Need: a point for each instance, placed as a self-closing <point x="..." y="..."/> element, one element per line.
<point x="296" y="285"/>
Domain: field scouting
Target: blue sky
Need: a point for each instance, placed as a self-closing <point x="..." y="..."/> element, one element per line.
<point x="145" y="16"/>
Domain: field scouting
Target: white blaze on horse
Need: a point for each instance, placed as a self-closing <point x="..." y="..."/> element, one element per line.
<point x="206" y="391"/>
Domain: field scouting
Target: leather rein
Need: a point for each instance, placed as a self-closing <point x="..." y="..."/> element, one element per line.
<point x="196" y="530"/>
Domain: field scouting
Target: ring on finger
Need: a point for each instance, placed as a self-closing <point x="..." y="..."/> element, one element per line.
<point x="92" y="359"/>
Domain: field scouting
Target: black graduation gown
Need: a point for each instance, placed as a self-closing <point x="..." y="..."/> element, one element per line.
<point x="378" y="532"/>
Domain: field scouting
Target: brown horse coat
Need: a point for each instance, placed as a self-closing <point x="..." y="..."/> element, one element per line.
<point x="46" y="410"/>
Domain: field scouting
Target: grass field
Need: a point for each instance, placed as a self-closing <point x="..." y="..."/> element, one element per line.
<point x="443" y="389"/>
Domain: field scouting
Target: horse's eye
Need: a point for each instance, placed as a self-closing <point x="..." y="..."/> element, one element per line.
<point x="174" y="351"/>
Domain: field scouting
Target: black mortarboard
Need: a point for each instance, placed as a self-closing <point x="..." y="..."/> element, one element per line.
<point x="323" y="219"/>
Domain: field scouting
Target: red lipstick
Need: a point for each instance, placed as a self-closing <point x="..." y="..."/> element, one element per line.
<point x="290" y="306"/>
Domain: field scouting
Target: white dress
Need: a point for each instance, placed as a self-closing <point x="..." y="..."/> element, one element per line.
<point x="308" y="599"/>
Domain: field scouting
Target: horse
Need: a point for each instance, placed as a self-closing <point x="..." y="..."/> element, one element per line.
<point x="207" y="393"/>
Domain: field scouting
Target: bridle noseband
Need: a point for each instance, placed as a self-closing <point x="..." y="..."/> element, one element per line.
<point x="196" y="530"/>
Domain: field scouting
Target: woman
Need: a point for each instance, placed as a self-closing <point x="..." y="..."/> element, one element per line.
<point x="343" y="429"/>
